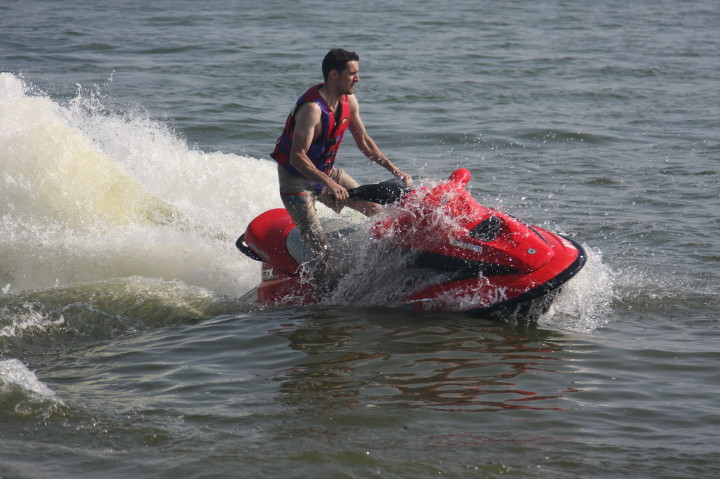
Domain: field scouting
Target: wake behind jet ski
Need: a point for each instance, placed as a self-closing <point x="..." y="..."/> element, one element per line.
<point x="478" y="260"/>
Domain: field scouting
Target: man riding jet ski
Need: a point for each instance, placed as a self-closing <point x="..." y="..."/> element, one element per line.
<point x="479" y="261"/>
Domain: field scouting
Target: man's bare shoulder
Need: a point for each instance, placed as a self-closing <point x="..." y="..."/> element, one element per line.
<point x="308" y="110"/>
<point x="352" y="99"/>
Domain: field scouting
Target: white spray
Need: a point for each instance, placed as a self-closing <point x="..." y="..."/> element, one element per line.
<point x="87" y="195"/>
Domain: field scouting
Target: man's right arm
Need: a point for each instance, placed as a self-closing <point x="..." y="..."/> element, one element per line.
<point x="307" y="125"/>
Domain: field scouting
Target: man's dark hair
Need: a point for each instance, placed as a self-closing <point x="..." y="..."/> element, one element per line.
<point x="336" y="59"/>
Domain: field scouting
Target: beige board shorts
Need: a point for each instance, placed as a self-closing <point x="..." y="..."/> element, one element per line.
<point x="298" y="195"/>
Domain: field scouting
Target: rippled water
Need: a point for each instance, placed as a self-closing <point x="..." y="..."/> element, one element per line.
<point x="134" y="146"/>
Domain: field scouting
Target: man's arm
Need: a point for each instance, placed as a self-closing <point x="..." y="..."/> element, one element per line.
<point x="367" y="145"/>
<point x="307" y="126"/>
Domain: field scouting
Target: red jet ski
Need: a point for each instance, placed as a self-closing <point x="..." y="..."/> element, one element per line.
<point x="473" y="259"/>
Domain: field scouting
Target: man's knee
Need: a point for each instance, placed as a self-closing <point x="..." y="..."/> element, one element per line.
<point x="302" y="210"/>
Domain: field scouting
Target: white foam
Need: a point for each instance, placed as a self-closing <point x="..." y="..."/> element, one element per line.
<point x="27" y="317"/>
<point x="585" y="300"/>
<point x="14" y="372"/>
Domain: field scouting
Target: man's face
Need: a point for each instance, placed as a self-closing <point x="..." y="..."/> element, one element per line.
<point x="349" y="77"/>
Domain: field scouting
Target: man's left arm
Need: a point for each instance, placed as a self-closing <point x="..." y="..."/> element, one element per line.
<point x="367" y="145"/>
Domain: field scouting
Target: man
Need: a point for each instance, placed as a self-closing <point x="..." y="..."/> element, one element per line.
<point x="307" y="147"/>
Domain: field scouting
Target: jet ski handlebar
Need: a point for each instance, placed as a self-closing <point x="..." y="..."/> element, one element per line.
<point x="394" y="190"/>
<point x="384" y="193"/>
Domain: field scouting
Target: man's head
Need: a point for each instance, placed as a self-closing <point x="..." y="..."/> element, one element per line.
<point x="336" y="59"/>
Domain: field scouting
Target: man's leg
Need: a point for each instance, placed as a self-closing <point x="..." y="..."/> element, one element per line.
<point x="301" y="208"/>
<point x="299" y="201"/>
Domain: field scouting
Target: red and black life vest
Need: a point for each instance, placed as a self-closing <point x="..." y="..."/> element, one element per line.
<point x="322" y="152"/>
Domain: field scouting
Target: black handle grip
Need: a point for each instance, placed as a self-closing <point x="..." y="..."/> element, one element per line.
<point x="245" y="249"/>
